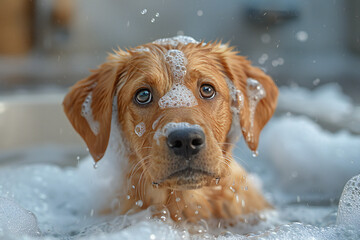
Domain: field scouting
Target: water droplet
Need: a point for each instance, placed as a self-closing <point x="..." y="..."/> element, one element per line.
<point x="139" y="203"/>
<point x="200" y="13"/>
<point x="128" y="197"/>
<point x="298" y="199"/>
<point x="92" y="212"/>
<point x="232" y="189"/>
<point x="152" y="20"/>
<point x="255" y="153"/>
<point x="217" y="180"/>
<point x="78" y="158"/>
<point x="316" y="81"/>
<point x="152" y="236"/>
<point x="95" y="165"/>
<point x="196" y="212"/>
<point x="237" y="198"/>
<point x="157" y="14"/>
<point x="243" y="203"/>
<point x="177" y="199"/>
<point x="144" y="11"/>
<point x="302" y="36"/>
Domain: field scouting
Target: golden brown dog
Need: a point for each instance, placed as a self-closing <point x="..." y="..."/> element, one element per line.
<point x="180" y="106"/>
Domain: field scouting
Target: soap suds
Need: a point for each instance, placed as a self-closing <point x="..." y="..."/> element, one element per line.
<point x="179" y="95"/>
<point x="155" y="123"/>
<point x="349" y="205"/>
<point x="255" y="92"/>
<point x="174" y="41"/>
<point x="172" y="126"/>
<point x="86" y="112"/>
<point x="236" y="104"/>
<point x="140" y="129"/>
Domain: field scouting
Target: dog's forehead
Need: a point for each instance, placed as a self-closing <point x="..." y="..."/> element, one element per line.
<point x="165" y="64"/>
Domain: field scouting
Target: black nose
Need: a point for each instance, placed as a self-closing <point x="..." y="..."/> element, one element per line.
<point x="186" y="142"/>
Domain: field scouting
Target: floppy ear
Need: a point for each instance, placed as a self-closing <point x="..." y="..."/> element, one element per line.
<point x="88" y="105"/>
<point x="259" y="91"/>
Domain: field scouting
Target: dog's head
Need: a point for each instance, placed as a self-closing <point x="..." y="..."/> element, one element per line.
<point x="178" y="102"/>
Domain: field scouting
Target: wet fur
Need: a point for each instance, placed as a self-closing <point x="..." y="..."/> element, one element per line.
<point x="127" y="71"/>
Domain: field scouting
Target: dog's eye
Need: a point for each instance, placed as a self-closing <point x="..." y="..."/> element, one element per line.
<point x="207" y="91"/>
<point x="143" y="96"/>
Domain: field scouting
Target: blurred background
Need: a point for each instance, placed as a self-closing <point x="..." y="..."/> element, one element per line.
<point x="48" y="45"/>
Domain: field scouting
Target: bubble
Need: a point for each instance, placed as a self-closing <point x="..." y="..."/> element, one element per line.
<point x="302" y="36"/>
<point x="200" y="13"/>
<point x="144" y="11"/>
<point x="263" y="58"/>
<point x="177" y="199"/>
<point x="152" y="236"/>
<point x="152" y="20"/>
<point x="157" y="14"/>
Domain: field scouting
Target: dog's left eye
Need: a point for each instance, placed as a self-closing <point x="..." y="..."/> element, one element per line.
<point x="143" y="96"/>
<point x="207" y="91"/>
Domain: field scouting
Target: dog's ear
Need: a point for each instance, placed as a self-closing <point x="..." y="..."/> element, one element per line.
<point x="259" y="91"/>
<point x="88" y="105"/>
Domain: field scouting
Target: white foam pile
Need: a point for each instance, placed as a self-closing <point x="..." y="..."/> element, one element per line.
<point x="325" y="103"/>
<point x="299" y="164"/>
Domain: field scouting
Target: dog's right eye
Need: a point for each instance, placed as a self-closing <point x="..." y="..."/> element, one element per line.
<point x="143" y="96"/>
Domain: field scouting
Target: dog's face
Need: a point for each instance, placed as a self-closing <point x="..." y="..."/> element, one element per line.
<point x="177" y="105"/>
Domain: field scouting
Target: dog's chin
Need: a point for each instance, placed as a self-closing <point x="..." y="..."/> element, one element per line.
<point x="188" y="179"/>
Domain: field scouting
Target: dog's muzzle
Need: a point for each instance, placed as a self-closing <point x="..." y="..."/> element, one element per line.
<point x="186" y="142"/>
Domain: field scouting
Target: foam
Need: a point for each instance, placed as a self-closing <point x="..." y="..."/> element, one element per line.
<point x="140" y="129"/>
<point x="141" y="49"/>
<point x="174" y="41"/>
<point x="177" y="62"/>
<point x="349" y="205"/>
<point x="86" y="112"/>
<point x="179" y="95"/>
<point x="305" y="160"/>
<point x="255" y="92"/>
<point x="328" y="104"/>
<point x="156" y="122"/>
<point x="237" y="103"/>
<point x="15" y="220"/>
<point x="172" y="126"/>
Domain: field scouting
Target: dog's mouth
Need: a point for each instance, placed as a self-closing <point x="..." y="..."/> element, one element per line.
<point x="188" y="178"/>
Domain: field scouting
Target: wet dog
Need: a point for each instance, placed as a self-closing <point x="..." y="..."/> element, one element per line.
<point x="179" y="106"/>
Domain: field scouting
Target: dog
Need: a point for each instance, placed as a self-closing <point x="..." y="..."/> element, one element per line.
<point x="179" y="106"/>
